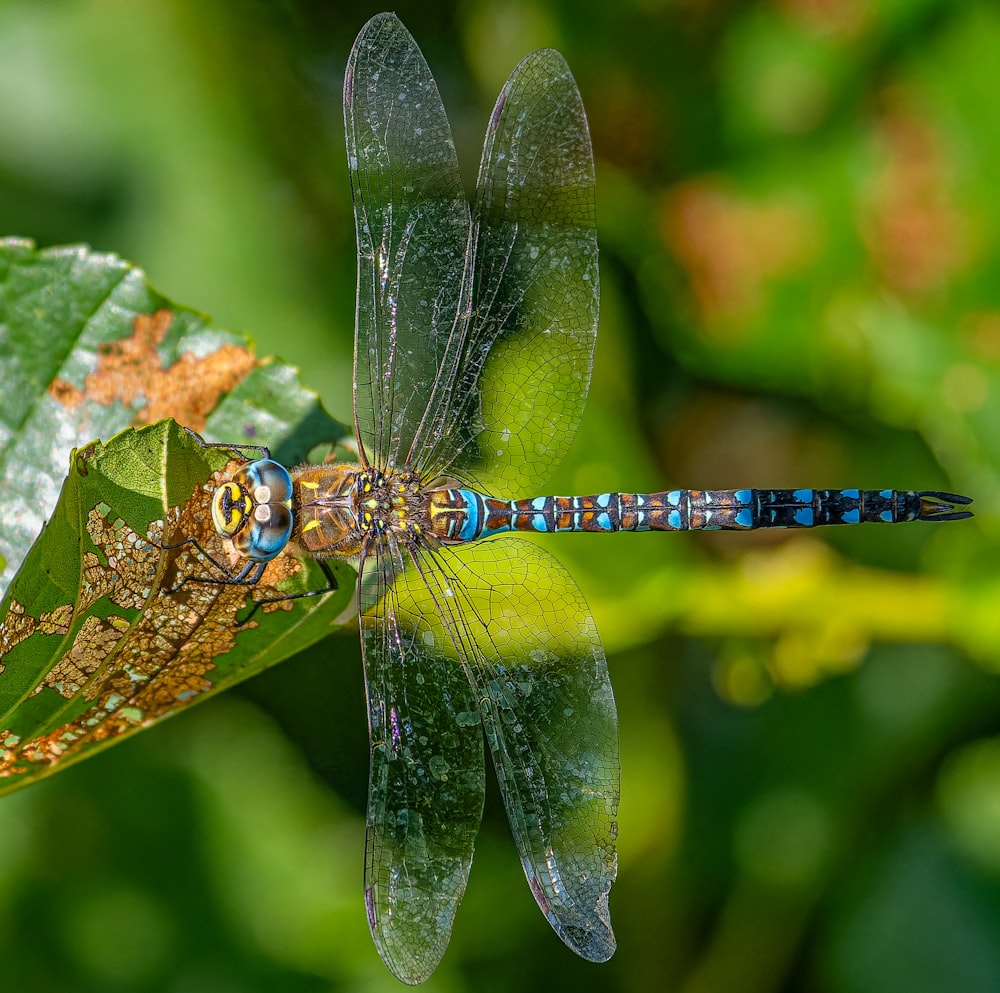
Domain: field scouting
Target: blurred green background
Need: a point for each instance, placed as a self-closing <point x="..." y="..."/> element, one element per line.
<point x="799" y="217"/>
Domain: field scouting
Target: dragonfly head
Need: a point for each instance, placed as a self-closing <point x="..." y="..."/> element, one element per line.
<point x="254" y="509"/>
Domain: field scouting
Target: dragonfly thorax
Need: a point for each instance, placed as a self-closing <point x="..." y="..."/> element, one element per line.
<point x="342" y="506"/>
<point x="390" y="501"/>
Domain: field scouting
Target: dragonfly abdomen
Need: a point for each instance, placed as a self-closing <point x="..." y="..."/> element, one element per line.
<point x="465" y="515"/>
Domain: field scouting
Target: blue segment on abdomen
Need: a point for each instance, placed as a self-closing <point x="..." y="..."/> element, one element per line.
<point x="473" y="515"/>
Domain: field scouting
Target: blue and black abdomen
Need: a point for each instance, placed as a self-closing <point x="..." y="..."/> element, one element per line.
<point x="465" y="515"/>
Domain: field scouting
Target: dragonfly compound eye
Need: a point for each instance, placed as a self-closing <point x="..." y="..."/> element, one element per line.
<point x="268" y="481"/>
<point x="268" y="531"/>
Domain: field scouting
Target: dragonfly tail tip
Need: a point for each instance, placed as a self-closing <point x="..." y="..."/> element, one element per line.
<point x="938" y="506"/>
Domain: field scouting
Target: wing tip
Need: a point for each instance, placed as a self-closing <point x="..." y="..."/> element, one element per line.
<point x="595" y="942"/>
<point x="588" y="935"/>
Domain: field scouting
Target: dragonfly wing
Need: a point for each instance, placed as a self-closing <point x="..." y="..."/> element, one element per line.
<point x="550" y="719"/>
<point x="515" y="395"/>
<point x="412" y="221"/>
<point x="426" y="787"/>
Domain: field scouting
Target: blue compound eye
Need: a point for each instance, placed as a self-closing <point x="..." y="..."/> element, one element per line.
<point x="267" y="533"/>
<point x="266" y="481"/>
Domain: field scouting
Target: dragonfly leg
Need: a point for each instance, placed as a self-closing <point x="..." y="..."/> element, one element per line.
<point x="229" y="447"/>
<point x="331" y="587"/>
<point x="249" y="575"/>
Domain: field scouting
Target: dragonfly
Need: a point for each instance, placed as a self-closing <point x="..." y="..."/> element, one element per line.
<point x="474" y="342"/>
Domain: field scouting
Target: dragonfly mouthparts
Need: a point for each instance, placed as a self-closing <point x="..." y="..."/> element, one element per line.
<point x="937" y="506"/>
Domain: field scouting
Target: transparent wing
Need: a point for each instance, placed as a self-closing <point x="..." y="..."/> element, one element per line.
<point x="507" y="409"/>
<point x="426" y="786"/>
<point x="474" y="340"/>
<point x="514" y="615"/>
<point x="412" y="219"/>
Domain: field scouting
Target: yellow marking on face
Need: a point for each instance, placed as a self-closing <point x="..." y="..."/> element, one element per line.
<point x="228" y="520"/>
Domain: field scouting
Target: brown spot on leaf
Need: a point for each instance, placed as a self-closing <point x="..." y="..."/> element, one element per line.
<point x="17" y="626"/>
<point x="65" y="393"/>
<point x="83" y="457"/>
<point x="131" y="372"/>
<point x="96" y="640"/>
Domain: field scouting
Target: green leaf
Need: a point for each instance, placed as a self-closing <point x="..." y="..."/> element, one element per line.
<point x="88" y="348"/>
<point x="100" y="633"/>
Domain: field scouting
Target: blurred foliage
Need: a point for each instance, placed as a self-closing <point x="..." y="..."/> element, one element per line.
<point x="800" y="231"/>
